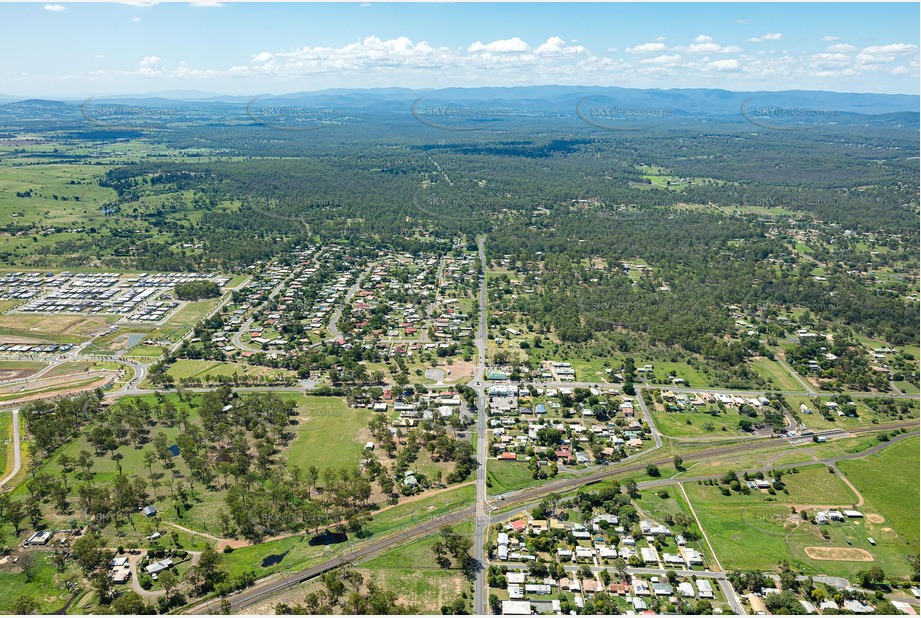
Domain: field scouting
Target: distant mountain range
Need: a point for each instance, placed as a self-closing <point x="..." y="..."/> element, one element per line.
<point x="525" y="99"/>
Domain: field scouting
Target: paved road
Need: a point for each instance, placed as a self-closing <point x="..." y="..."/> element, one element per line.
<point x="334" y="319"/>
<point x="481" y="527"/>
<point x="649" y="420"/>
<point x="524" y="500"/>
<point x="722" y="391"/>
<point x="17" y="451"/>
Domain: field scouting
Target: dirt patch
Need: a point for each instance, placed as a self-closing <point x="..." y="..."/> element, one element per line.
<point x="15" y="374"/>
<point x="847" y="554"/>
<point x="48" y="391"/>
<point x="15" y="339"/>
<point x="457" y="370"/>
<point x="873" y="518"/>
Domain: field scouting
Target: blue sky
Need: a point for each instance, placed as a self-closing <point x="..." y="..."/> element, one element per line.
<point x="77" y="49"/>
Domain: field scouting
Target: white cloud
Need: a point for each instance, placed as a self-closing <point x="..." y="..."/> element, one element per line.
<point x="770" y="36"/>
<point x="55" y="8"/>
<point x="829" y="37"/>
<point x="703" y="44"/>
<point x="135" y="19"/>
<point x="150" y="65"/>
<point x="374" y="61"/>
<point x="894" y="48"/>
<point x="646" y="48"/>
<point x="742" y="21"/>
<point x="712" y="48"/>
<point x="664" y="59"/>
<point x="501" y="46"/>
<point x="207" y="5"/>
<point x="727" y="64"/>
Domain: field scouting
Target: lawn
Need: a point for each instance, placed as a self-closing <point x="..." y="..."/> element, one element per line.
<point x="329" y="434"/>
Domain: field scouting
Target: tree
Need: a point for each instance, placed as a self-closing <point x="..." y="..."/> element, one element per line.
<point x="678" y="461"/>
<point x="631" y="488"/>
<point x="170" y="582"/>
<point x="24" y="605"/>
<point x="652" y="470"/>
<point x="494" y="604"/>
<point x="871" y="577"/>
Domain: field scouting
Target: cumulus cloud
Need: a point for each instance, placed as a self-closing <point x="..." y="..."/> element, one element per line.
<point x="55" y="8"/>
<point x="829" y="37"/>
<point x="510" y="61"/>
<point x="646" y="48"/>
<point x="556" y="45"/>
<point x="664" y="59"/>
<point x="770" y="36"/>
<point x="894" y="48"/>
<point x="150" y="65"/>
<point x="727" y="64"/>
<point x="502" y="46"/>
<point x="704" y="44"/>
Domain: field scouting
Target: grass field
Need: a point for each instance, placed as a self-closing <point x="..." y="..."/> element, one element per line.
<point x="202" y="369"/>
<point x="508" y="475"/>
<point x="329" y="434"/>
<point x="46" y="586"/>
<point x="759" y="531"/>
<point x="676" y="424"/>
<point x="203" y="514"/>
<point x="6" y="439"/>
<point x="411" y="571"/>
<point x="184" y="319"/>
<point x="776" y="374"/>
<point x="895" y="496"/>
<point x="295" y="552"/>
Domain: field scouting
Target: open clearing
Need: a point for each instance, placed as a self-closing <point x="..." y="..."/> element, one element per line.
<point x="329" y="434"/>
<point x="53" y="328"/>
<point x="849" y="554"/>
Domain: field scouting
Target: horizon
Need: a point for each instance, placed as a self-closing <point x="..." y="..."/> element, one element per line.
<point x="235" y="49"/>
<point x="189" y="95"/>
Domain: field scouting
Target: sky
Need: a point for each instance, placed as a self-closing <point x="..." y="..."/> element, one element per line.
<point x="72" y="49"/>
